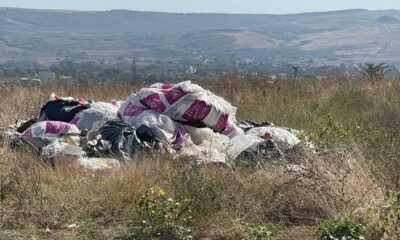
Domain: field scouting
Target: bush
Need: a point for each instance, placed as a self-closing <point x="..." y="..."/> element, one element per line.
<point x="263" y="232"/>
<point x="333" y="133"/>
<point x="164" y="216"/>
<point x="391" y="216"/>
<point x="345" y="229"/>
<point x="387" y="218"/>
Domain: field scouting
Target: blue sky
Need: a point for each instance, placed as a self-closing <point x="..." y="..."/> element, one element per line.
<point x="220" y="6"/>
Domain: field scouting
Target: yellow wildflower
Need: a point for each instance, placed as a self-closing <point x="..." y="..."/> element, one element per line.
<point x="161" y="192"/>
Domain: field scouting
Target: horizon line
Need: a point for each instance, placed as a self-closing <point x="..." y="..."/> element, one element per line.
<point x="171" y="12"/>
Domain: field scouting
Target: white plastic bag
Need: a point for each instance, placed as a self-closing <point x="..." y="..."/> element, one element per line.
<point x="96" y="116"/>
<point x="283" y="138"/>
<point x="96" y="164"/>
<point x="205" y="145"/>
<point x="209" y="146"/>
<point x="184" y="102"/>
<point x="58" y="148"/>
<point x="42" y="133"/>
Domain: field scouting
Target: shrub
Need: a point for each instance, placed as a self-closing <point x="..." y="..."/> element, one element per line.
<point x="163" y="216"/>
<point x="391" y="216"/>
<point x="333" y="133"/>
<point x="345" y="229"/>
<point x="263" y="232"/>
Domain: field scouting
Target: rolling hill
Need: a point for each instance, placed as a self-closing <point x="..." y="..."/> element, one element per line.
<point x="46" y="36"/>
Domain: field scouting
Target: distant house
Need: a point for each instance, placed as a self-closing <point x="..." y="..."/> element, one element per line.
<point x="191" y="70"/>
<point x="30" y="82"/>
<point x="207" y="60"/>
<point x="47" y="76"/>
<point x="247" y="61"/>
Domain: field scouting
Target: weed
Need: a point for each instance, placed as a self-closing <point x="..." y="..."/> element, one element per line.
<point x="346" y="229"/>
<point x="164" y="216"/>
<point x="263" y="232"/>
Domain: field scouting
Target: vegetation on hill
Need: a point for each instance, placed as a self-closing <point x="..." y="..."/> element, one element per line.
<point x="46" y="36"/>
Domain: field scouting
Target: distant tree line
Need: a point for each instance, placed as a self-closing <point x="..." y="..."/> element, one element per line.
<point x="176" y="70"/>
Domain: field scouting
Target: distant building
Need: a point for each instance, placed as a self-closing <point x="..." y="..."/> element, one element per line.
<point x="207" y="60"/>
<point x="30" y="82"/>
<point x="248" y="61"/>
<point x="47" y="76"/>
<point x="191" y="70"/>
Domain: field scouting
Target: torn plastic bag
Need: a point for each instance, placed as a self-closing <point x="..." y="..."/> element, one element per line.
<point x="248" y="124"/>
<point x="204" y="145"/>
<point x="261" y="151"/>
<point x="96" y="164"/>
<point x="62" y="110"/>
<point x="283" y="138"/>
<point x="42" y="133"/>
<point x="209" y="146"/>
<point x="96" y="116"/>
<point x="184" y="102"/>
<point x="126" y="141"/>
<point x="116" y="103"/>
<point x="163" y="127"/>
<point x="58" y="148"/>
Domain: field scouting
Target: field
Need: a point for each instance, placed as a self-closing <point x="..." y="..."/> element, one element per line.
<point x="354" y="123"/>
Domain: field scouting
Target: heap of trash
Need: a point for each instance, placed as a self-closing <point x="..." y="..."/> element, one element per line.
<point x="181" y="120"/>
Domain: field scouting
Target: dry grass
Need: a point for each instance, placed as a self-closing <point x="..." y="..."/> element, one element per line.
<point x="225" y="202"/>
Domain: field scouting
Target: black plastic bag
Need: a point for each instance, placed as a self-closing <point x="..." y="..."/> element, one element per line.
<point x="126" y="140"/>
<point x="61" y="110"/>
<point x="246" y="125"/>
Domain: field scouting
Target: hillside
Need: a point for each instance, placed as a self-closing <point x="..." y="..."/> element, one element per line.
<point x="46" y="36"/>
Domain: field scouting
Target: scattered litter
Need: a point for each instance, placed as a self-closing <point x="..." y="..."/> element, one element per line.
<point x="73" y="226"/>
<point x="59" y="148"/>
<point x="99" y="163"/>
<point x="299" y="169"/>
<point x="181" y="119"/>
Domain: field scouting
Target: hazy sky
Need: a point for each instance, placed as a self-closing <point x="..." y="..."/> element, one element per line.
<point x="221" y="6"/>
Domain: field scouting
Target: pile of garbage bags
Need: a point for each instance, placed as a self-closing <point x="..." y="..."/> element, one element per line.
<point x="183" y="120"/>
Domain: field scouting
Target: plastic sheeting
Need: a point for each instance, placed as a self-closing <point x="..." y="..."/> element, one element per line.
<point x="124" y="141"/>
